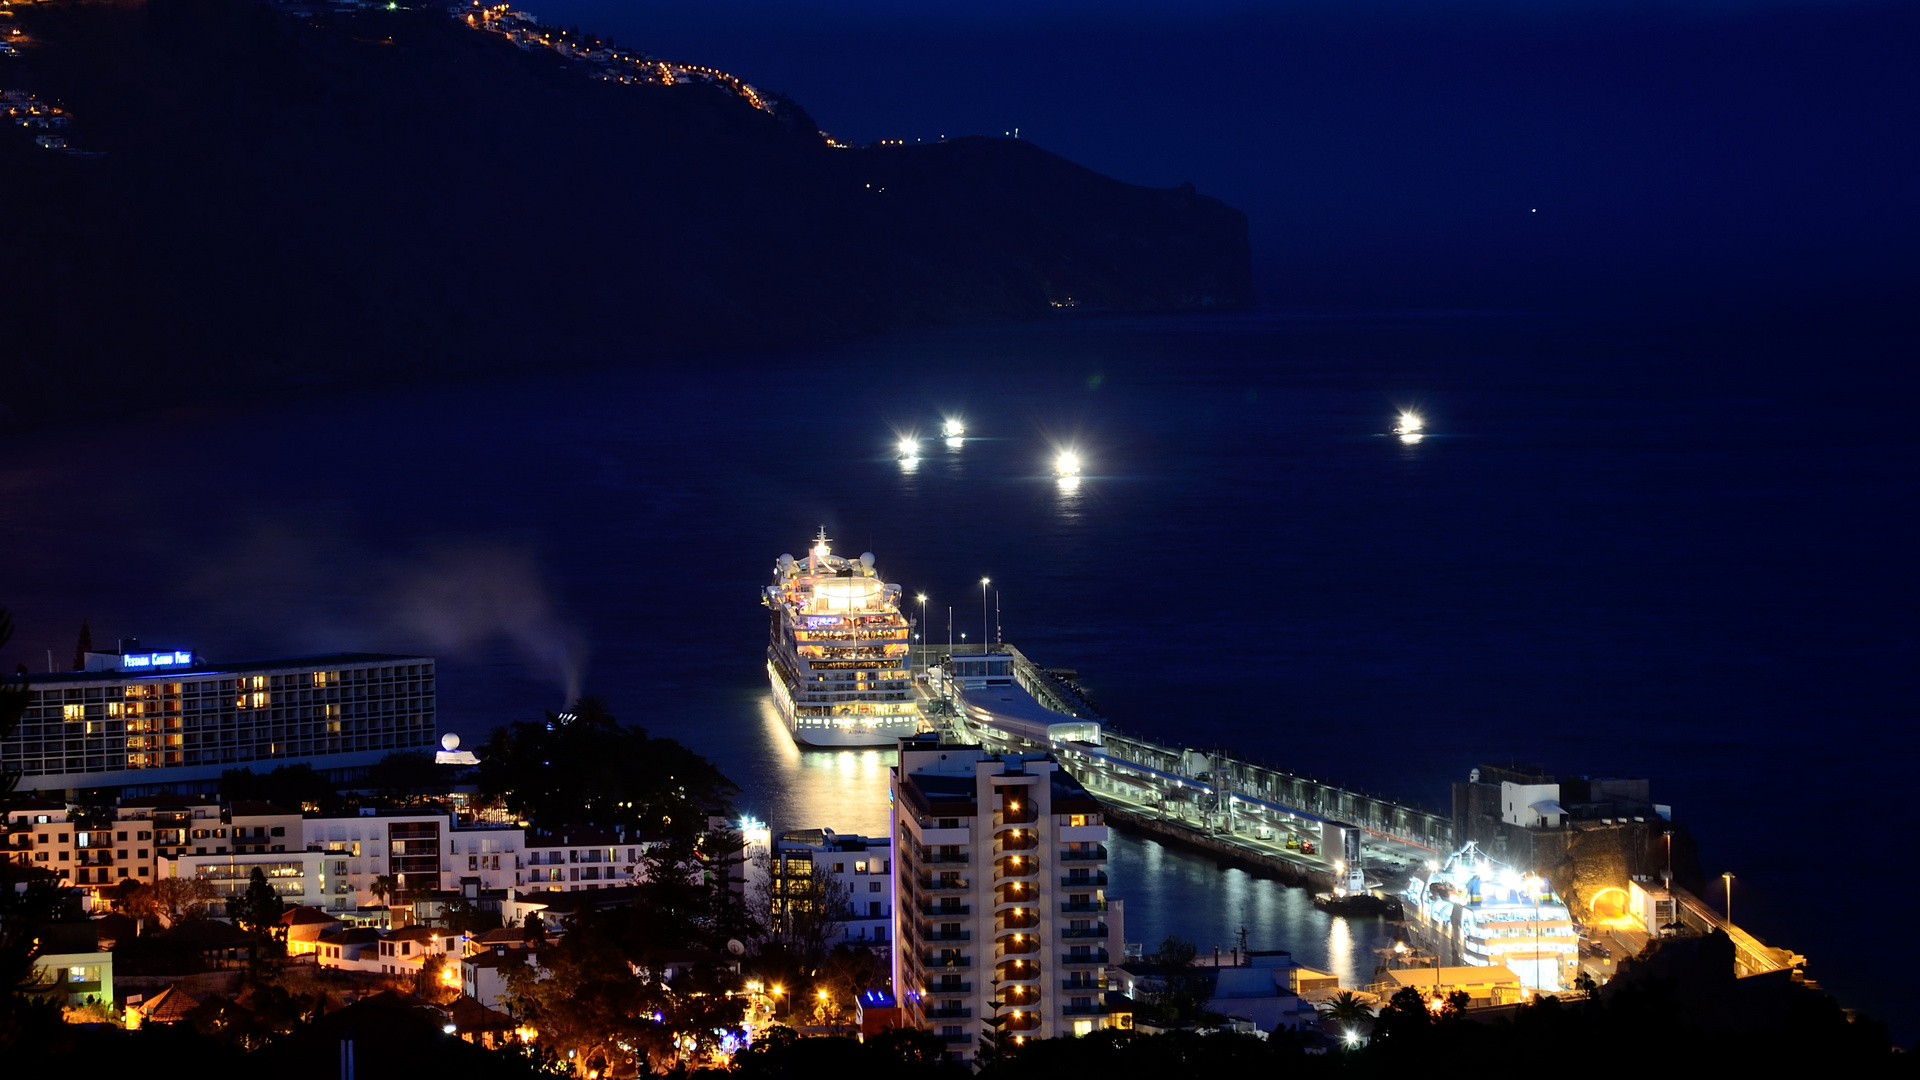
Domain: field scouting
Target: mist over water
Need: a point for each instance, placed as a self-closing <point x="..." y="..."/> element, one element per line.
<point x="1624" y="548"/>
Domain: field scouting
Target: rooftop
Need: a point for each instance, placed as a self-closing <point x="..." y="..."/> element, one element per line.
<point x="201" y="668"/>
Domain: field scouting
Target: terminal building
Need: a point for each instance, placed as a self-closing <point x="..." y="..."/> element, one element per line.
<point x="169" y="722"/>
<point x="999" y="896"/>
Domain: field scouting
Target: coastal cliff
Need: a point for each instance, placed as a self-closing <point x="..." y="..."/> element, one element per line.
<point x="251" y="198"/>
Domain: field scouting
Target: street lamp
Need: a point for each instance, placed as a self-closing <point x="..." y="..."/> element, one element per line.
<point x="923" y="630"/>
<point x="983" y="617"/>
<point x="1729" y="880"/>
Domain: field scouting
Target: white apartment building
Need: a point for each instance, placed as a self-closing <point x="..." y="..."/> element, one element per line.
<point x="862" y="865"/>
<point x="300" y="877"/>
<point x="40" y="834"/>
<point x="999" y="885"/>
<point x="574" y="859"/>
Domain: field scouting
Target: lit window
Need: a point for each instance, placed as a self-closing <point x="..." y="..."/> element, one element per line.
<point x="73" y="712"/>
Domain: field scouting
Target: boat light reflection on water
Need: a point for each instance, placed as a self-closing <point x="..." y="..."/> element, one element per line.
<point x="1410" y="427"/>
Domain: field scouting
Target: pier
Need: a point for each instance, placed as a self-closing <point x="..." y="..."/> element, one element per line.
<point x="1248" y="813"/>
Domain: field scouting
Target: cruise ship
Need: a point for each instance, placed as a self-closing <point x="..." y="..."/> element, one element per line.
<point x="838" y="651"/>
<point x="1488" y="915"/>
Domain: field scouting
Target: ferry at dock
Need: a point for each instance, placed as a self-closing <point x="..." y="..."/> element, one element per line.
<point x="838" y="651"/>
<point x="1480" y="912"/>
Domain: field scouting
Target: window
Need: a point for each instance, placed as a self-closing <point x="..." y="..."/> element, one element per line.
<point x="873" y="886"/>
<point x="1076" y="820"/>
<point x="123" y="838"/>
<point x="73" y="712"/>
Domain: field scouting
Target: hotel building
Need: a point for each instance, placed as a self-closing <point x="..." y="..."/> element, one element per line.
<point x="860" y="865"/>
<point x="1000" y="906"/>
<point x="147" y="722"/>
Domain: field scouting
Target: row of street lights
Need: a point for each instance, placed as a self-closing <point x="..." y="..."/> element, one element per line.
<point x="986" y="633"/>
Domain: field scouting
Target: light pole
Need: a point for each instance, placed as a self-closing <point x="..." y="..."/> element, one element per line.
<point x="984" y="636"/>
<point x="1729" y="880"/>
<point x="923" y="630"/>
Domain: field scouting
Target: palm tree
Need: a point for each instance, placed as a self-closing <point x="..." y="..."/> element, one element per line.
<point x="383" y="886"/>
<point x="1346" y="1008"/>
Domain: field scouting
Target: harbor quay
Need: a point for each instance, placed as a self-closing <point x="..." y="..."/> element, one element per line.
<point x="1554" y="878"/>
<point x="1297" y="828"/>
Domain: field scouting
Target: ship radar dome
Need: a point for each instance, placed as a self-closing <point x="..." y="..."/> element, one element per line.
<point x="866" y="559"/>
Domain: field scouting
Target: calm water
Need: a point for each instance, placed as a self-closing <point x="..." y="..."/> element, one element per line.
<point x="1624" y="549"/>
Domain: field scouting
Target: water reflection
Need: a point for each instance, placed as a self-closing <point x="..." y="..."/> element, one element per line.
<point x="1171" y="892"/>
<point x="843" y="790"/>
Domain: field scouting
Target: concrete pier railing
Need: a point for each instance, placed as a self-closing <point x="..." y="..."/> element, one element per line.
<point x="1223" y="800"/>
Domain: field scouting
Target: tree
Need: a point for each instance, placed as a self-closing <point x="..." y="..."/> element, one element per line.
<point x="1346" y="1009"/>
<point x="1182" y="991"/>
<point x="22" y="912"/>
<point x="177" y="900"/>
<point x="808" y="914"/>
<point x="584" y="767"/>
<point x="1404" y="1020"/>
<point x="295" y="787"/>
<point x="383" y="886"/>
<point x="587" y="1001"/>
<point x="83" y="647"/>
<point x="257" y="910"/>
<point x="432" y="983"/>
<point x="406" y="778"/>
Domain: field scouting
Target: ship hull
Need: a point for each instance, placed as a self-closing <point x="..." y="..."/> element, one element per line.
<point x="849" y="735"/>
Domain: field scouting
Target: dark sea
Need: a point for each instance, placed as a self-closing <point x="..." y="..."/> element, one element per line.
<point x="1683" y="551"/>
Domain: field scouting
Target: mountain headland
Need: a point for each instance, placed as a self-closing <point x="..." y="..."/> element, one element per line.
<point x="217" y="196"/>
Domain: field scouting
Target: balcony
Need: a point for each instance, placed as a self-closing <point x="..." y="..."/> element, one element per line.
<point x="949" y="1014"/>
<point x="1091" y="956"/>
<point x="1020" y="1021"/>
<point x="1097" y="853"/>
<point x="951" y="935"/>
<point x="956" y="1038"/>
<point x="1078" y="983"/>
<point x="1028" y="814"/>
<point x="1015" y="866"/>
<point x="954" y="909"/>
<point x="1023" y="945"/>
<point x="939" y="988"/>
<point x="1019" y="971"/>
<point x="935" y="961"/>
<point x="1083" y="1010"/>
<point x="1091" y="881"/>
<point x="1069" y="907"/>
<point x="933" y="858"/>
<point x="1026" y="920"/>
<point x="945" y="884"/>
<point x="1087" y="932"/>
<point x="1021" y="841"/>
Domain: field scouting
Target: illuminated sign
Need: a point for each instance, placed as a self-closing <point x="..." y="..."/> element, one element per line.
<point x="156" y="659"/>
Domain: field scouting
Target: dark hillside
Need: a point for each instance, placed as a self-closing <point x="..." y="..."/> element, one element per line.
<point x="281" y="199"/>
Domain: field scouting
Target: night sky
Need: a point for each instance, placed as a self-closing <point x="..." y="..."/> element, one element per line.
<point x="1484" y="155"/>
